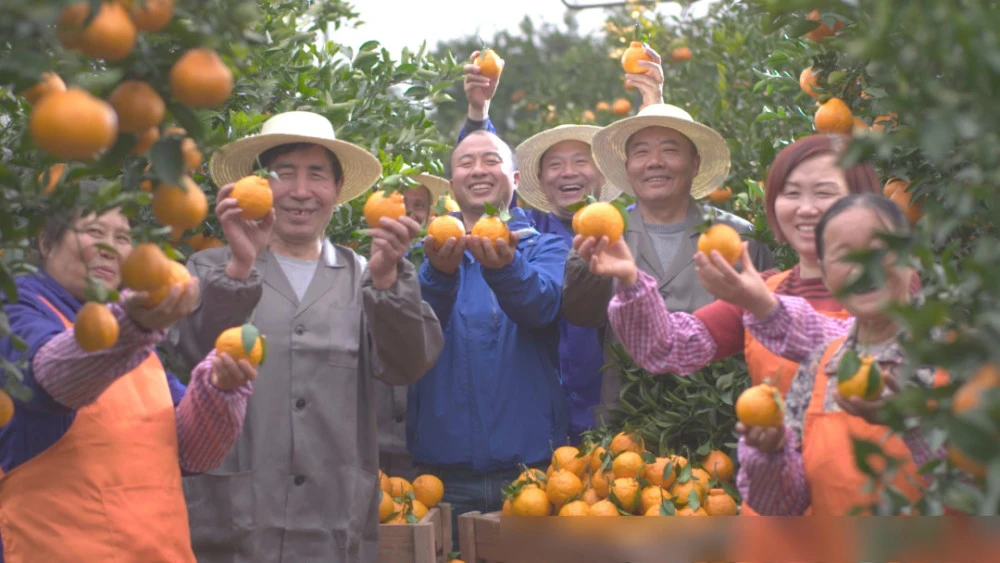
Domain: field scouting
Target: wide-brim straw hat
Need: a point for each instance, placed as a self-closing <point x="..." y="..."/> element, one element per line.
<point x="239" y="158"/>
<point x="529" y="159"/>
<point x="436" y="185"/>
<point x="609" y="147"/>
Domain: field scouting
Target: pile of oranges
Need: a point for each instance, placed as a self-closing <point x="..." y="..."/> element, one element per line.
<point x="404" y="502"/>
<point x="622" y="478"/>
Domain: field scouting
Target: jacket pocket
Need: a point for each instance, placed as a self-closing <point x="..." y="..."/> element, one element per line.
<point x="345" y="336"/>
<point x="147" y="522"/>
<point x="221" y="514"/>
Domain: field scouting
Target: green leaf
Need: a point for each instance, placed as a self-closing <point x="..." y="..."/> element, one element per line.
<point x="263" y="349"/>
<point x="874" y="380"/>
<point x="684" y="475"/>
<point x="491" y="209"/>
<point x="621" y="209"/>
<point x="249" y="334"/>
<point x="694" y="499"/>
<point x="849" y="365"/>
<point x="168" y="161"/>
<point x="667" y="508"/>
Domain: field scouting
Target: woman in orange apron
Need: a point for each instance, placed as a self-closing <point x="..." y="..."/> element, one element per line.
<point x="810" y="462"/>
<point x="92" y="459"/>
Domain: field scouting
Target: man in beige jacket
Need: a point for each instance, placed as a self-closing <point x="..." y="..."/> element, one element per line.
<point x="301" y="485"/>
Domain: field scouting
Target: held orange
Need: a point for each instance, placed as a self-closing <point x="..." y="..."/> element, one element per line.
<point x="50" y="83"/>
<point x="490" y="64"/>
<point x="600" y="219"/>
<point x="110" y="35"/>
<point x="138" y="105"/>
<point x="492" y="228"/>
<point x="630" y="58"/>
<point x="621" y="107"/>
<point x="96" y="328"/>
<point x="382" y="204"/>
<point x="199" y="79"/>
<point x="177" y="275"/>
<point x="253" y="194"/>
<point x="724" y="239"/>
<point x="181" y="207"/>
<point x="866" y="383"/>
<point x="6" y="408"/>
<point x="834" y="117"/>
<point x="146" y="268"/>
<point x="73" y="125"/>
<point x="761" y="405"/>
<point x="152" y="15"/>
<point x="243" y="343"/>
<point x="444" y="227"/>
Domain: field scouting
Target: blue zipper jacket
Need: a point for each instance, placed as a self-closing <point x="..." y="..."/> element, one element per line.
<point x="494" y="398"/>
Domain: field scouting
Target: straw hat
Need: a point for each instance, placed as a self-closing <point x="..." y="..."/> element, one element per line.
<point x="529" y="158"/>
<point x="436" y="185"/>
<point x="609" y="147"/>
<point x="239" y="158"/>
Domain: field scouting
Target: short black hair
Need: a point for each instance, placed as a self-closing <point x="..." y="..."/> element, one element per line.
<point x="267" y="157"/>
<point x="882" y="206"/>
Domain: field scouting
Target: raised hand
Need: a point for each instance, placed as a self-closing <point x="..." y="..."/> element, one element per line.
<point x="390" y="243"/>
<point x="744" y="289"/>
<point x="246" y="238"/>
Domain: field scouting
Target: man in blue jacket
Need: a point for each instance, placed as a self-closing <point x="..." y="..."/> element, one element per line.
<point x="493" y="400"/>
<point x="557" y="171"/>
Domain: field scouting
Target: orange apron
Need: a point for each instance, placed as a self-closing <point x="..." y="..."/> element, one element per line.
<point x="110" y="488"/>
<point x="835" y="482"/>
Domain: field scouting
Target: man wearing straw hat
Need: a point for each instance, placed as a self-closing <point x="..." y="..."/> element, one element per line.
<point x="302" y="482"/>
<point x="420" y="199"/>
<point x="668" y="161"/>
<point x="557" y="171"/>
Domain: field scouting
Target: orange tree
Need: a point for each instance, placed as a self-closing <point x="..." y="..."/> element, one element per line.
<point x="282" y="56"/>
<point x="923" y="76"/>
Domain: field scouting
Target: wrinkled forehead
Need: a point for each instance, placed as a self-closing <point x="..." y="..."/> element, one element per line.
<point x="656" y="135"/>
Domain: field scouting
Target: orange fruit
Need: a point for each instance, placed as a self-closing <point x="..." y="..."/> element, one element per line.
<point x="146" y="268"/>
<point x="680" y="55"/>
<point x="253" y="194"/>
<point x="834" y="117"/>
<point x="418" y="510"/>
<point x="73" y="125"/>
<point x="864" y="384"/>
<point x="517" y="96"/>
<point x="596" y="458"/>
<point x="146" y="184"/>
<point x="630" y="58"/>
<point x="428" y="489"/>
<point x="110" y="35"/>
<point x="859" y="126"/>
<point x="961" y="460"/>
<point x="701" y="477"/>
<point x="195" y="241"/>
<point x="380" y="204"/>
<point x="968" y="396"/>
<point x="604" y="508"/>
<point x="590" y="496"/>
<point x="507" y="509"/>
<point x="562" y="486"/>
<point x="490" y="64"/>
<point x="181" y="207"/>
<point x="600" y="219"/>
<point x="719" y="503"/>
<point x="904" y="200"/>
<point x="570" y="459"/>
<point x="720" y="195"/>
<point x="723" y="238"/>
<point x="822" y="30"/>
<point x="492" y="228"/>
<point x="807" y="80"/>
<point x="894" y="185"/>
<point x="383" y="481"/>
<point x="152" y="15"/>
<point x="445" y="227"/>
<point x="177" y="274"/>
<point x="881" y="122"/>
<point x="146" y="141"/>
<point x="96" y="328"/>
<point x="603" y="106"/>
<point x="531" y="501"/>
<point x="212" y="242"/>
<point x="686" y="511"/>
<point x="626" y="490"/>
<point x="719" y="465"/>
<point x="600" y="481"/>
<point x="654" y="472"/>
<point x="652" y="511"/>
<point x="628" y="464"/>
<point x="535" y="476"/>
<point x="682" y="491"/>
<point x="386" y="506"/>
<point x="6" y="408"/>
<point x="621" y="107"/>
<point x="652" y="496"/>
<point x="192" y="156"/>
<point x="760" y="405"/>
<point x="400" y="514"/>
<point x="588" y="115"/>
<point x="55" y="173"/>
<point x="50" y="83"/>
<point x="631" y="442"/>
<point x="575" y="508"/>
<point x="399" y="487"/>
<point x="199" y="79"/>
<point x="138" y="106"/>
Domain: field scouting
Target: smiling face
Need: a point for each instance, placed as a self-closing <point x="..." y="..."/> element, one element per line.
<point x="853" y="230"/>
<point x="810" y="189"/>
<point x="661" y="164"/>
<point x="305" y="194"/>
<point x="567" y="174"/>
<point x="482" y="171"/>
<point x="74" y="255"/>
<point x="418" y="203"/>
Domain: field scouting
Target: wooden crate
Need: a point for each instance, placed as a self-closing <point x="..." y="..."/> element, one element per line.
<point x="478" y="538"/>
<point x="427" y="541"/>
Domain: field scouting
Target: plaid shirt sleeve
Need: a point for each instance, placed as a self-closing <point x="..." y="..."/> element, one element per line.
<point x="76" y="378"/>
<point x="209" y="420"/>
<point x="773" y="484"/>
<point x="658" y="340"/>
<point x="794" y="330"/>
